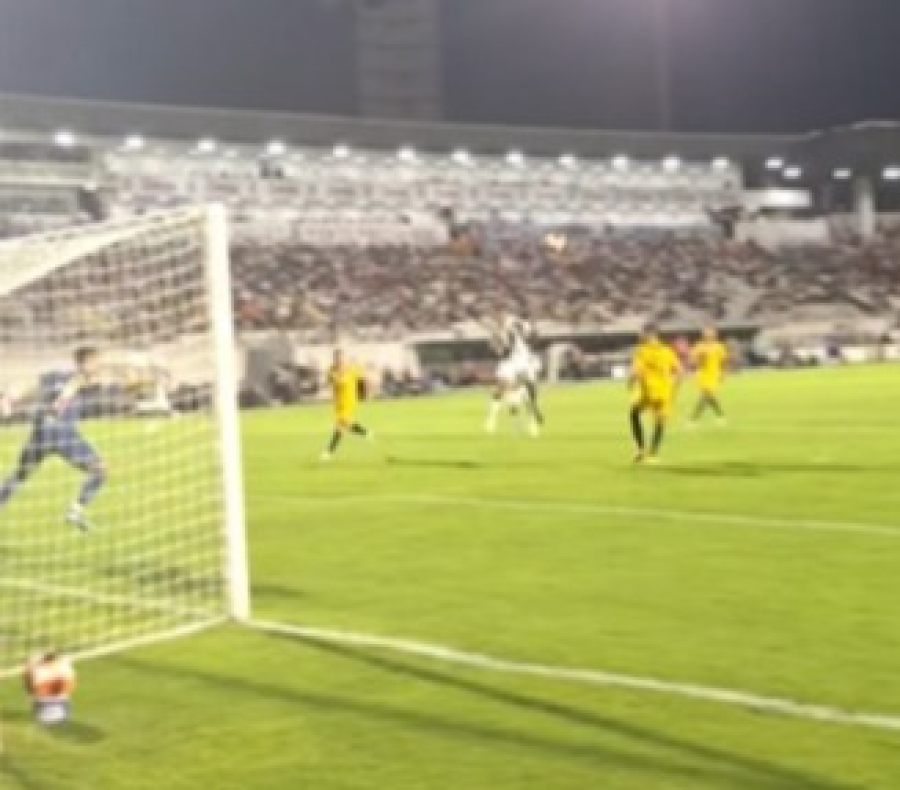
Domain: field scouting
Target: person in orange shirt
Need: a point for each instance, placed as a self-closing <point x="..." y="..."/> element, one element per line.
<point x="50" y="680"/>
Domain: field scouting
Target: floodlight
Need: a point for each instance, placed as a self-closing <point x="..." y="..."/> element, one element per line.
<point x="64" y="138"/>
<point x="134" y="142"/>
<point x="461" y="156"/>
<point x="515" y="158"/>
<point x="671" y="164"/>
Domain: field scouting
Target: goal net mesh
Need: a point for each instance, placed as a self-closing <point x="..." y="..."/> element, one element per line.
<point x="153" y="562"/>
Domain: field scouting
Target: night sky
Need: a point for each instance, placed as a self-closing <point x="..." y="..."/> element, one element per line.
<point x="736" y="65"/>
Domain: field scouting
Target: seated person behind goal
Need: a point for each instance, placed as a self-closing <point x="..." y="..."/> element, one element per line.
<point x="655" y="375"/>
<point x="347" y="386"/>
<point x="50" y="680"/>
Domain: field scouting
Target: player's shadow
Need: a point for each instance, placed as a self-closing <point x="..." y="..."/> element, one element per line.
<point x="756" y="469"/>
<point x="433" y="463"/>
<point x="771" y="775"/>
<point x="712" y="767"/>
<point x="73" y="731"/>
<point x="277" y="591"/>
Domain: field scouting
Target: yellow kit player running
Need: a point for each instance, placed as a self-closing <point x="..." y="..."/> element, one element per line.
<point x="346" y="381"/>
<point x="655" y="375"/>
<point x="710" y="356"/>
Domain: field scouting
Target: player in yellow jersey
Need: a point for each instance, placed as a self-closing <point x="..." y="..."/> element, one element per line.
<point x="710" y="357"/>
<point x="347" y="383"/>
<point x="655" y="375"/>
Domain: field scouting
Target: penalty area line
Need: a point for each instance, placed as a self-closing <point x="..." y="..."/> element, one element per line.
<point x="598" y="509"/>
<point x="778" y="706"/>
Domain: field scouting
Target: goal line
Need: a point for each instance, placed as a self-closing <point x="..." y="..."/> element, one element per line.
<point x="136" y="642"/>
<point x="589" y="677"/>
<point x="735" y="698"/>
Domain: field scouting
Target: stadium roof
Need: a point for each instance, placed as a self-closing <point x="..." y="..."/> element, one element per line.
<point x="99" y="119"/>
<point x="864" y="146"/>
<point x="871" y="148"/>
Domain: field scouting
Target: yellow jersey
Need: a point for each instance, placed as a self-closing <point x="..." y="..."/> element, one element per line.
<point x="710" y="357"/>
<point x="345" y="383"/>
<point x="656" y="369"/>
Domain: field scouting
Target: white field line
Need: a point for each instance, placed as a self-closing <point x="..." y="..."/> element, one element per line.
<point x="597" y="509"/>
<point x="135" y="642"/>
<point x="603" y="430"/>
<point x="740" y="699"/>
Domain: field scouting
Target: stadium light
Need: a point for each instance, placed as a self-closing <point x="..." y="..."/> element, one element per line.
<point x="568" y="161"/>
<point x="621" y="163"/>
<point x="341" y="151"/>
<point x="843" y="174"/>
<point x="461" y="156"/>
<point x="792" y="173"/>
<point x="774" y="163"/>
<point x="891" y="174"/>
<point x="721" y="163"/>
<point x="671" y="164"/>
<point x="64" y="138"/>
<point x="276" y="148"/>
<point x="134" y="142"/>
<point x="206" y="145"/>
<point x="515" y="158"/>
<point x="407" y="154"/>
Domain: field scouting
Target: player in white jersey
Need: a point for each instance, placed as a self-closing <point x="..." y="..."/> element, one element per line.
<point x="517" y="373"/>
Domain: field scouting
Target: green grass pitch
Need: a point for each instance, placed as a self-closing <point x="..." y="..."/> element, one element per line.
<point x="762" y="557"/>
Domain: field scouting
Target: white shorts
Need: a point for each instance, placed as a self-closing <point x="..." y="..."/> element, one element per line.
<point x="518" y="369"/>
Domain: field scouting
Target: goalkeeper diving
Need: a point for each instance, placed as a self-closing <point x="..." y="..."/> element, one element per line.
<point x="55" y="432"/>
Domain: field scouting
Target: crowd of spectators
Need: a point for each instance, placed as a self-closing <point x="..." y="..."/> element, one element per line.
<point x="389" y="292"/>
<point x="581" y="281"/>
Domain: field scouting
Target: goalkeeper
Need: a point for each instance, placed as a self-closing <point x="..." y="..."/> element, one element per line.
<point x="54" y="431"/>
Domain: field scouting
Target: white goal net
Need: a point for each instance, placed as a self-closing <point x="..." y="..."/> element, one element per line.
<point x="120" y="494"/>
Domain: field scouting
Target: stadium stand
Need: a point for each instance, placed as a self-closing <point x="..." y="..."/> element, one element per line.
<point x="379" y="245"/>
<point x="391" y="292"/>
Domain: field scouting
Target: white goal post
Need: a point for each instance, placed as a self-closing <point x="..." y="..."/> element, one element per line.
<point x="121" y="498"/>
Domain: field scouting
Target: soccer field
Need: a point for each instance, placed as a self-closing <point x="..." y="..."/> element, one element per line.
<point x="760" y="559"/>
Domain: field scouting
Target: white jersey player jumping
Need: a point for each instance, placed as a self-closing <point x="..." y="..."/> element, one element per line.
<point x="517" y="373"/>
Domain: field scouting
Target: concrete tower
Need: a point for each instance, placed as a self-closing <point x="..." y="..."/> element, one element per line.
<point x="398" y="59"/>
